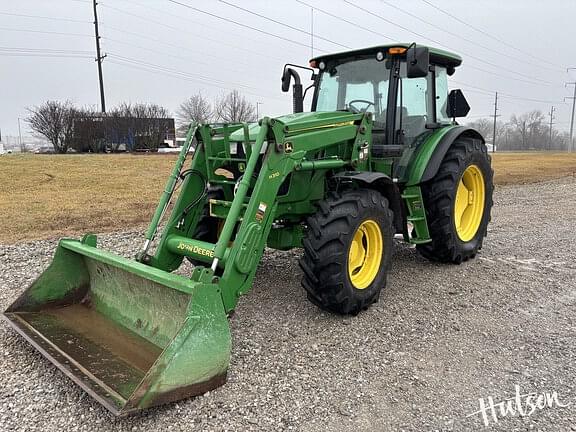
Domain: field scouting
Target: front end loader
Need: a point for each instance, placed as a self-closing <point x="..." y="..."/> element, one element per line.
<point x="379" y="156"/>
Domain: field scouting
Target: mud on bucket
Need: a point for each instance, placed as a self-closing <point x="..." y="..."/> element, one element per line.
<point x="131" y="335"/>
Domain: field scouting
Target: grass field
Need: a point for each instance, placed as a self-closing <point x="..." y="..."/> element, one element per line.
<point x="44" y="196"/>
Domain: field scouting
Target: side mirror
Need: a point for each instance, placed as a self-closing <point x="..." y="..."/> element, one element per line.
<point x="457" y="104"/>
<point x="417" y="62"/>
<point x="297" y="94"/>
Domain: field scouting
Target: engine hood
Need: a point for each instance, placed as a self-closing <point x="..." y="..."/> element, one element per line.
<point x="301" y="121"/>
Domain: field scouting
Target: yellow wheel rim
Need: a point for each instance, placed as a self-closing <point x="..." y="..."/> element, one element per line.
<point x="469" y="203"/>
<point x="365" y="254"/>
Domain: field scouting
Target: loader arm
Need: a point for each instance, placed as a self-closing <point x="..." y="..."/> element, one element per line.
<point x="287" y="150"/>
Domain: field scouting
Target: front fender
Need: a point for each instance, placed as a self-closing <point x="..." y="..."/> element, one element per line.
<point x="385" y="185"/>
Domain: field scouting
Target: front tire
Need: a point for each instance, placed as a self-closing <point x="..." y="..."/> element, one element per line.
<point x="458" y="201"/>
<point x="347" y="251"/>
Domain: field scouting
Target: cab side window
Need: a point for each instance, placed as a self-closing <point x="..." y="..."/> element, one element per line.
<point x="441" y="95"/>
<point x="414" y="104"/>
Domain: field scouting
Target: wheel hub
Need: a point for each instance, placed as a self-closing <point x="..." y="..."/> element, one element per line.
<point x="365" y="254"/>
<point x="469" y="203"/>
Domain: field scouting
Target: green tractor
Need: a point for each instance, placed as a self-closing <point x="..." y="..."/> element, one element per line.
<point x="378" y="156"/>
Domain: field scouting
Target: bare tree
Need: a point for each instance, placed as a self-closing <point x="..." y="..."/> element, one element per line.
<point x="54" y="120"/>
<point x="234" y="107"/>
<point x="194" y="109"/>
<point x="530" y="128"/>
<point x="484" y="126"/>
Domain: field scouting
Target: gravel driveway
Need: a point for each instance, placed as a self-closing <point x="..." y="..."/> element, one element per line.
<point x="441" y="338"/>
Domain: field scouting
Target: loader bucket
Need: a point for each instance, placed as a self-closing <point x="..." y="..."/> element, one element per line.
<point x="131" y="335"/>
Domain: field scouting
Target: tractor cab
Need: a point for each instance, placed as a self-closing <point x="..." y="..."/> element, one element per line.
<point x="403" y="86"/>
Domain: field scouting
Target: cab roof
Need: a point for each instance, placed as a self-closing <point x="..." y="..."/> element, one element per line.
<point x="437" y="56"/>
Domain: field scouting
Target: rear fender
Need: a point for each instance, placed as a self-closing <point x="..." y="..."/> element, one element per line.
<point x="427" y="159"/>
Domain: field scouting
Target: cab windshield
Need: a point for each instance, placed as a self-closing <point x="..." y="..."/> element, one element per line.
<point x="362" y="85"/>
<point x="357" y="86"/>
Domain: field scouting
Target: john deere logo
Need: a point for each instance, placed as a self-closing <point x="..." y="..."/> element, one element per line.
<point x="288" y="147"/>
<point x="196" y="249"/>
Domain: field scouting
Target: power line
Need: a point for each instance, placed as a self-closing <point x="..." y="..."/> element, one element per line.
<point x="501" y="95"/>
<point x="483" y="32"/>
<point x="153" y="68"/>
<point x="460" y="37"/>
<point x="499" y="67"/>
<point x="48" y="55"/>
<point x="344" y="20"/>
<point x="512" y="78"/>
<point x="239" y="24"/>
<point x="488" y="92"/>
<point x="179" y="57"/>
<point x="441" y="44"/>
<point x="188" y="21"/>
<point x="45" y="32"/>
<point x="45" y="17"/>
<point x="179" y="29"/>
<point x="308" y="33"/>
<point x="152" y="50"/>
<point x="158" y="41"/>
<point x="43" y="50"/>
<point x="200" y="78"/>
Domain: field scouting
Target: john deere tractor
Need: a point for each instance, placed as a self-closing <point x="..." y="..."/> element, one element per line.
<point x="379" y="155"/>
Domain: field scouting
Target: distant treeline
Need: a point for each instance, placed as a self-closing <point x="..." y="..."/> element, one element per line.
<point x="528" y="131"/>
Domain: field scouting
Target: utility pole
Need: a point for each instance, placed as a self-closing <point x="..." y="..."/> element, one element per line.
<point x="312" y="31"/>
<point x="573" y="103"/>
<point x="495" y="115"/>
<point x="257" y="110"/>
<point x="571" y="145"/>
<point x="99" y="57"/>
<point x="551" y="114"/>
<point x="20" y="136"/>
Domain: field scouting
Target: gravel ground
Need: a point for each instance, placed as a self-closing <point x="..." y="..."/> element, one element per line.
<point x="440" y="338"/>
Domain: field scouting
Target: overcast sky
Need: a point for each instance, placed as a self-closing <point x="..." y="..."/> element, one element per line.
<point x="162" y="52"/>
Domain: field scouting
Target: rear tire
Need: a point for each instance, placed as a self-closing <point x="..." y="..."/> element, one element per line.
<point x="347" y="251"/>
<point x="457" y="235"/>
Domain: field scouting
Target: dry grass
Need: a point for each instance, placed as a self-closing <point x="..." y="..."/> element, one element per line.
<point x="44" y="196"/>
<point x="520" y="168"/>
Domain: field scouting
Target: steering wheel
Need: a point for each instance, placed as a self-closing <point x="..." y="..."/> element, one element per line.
<point x="356" y="110"/>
